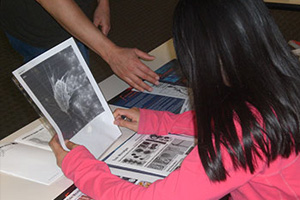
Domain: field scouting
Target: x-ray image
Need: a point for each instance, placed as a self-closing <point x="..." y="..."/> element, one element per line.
<point x="62" y="87"/>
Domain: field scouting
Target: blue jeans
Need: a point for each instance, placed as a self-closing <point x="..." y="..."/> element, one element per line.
<point x="29" y="52"/>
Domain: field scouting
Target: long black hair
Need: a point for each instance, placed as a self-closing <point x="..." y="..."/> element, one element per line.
<point x="238" y="42"/>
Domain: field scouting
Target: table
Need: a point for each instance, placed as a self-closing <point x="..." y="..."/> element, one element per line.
<point x="283" y="4"/>
<point x="291" y="2"/>
<point x="14" y="188"/>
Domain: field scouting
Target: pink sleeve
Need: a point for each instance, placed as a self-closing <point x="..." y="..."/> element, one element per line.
<point x="162" y="122"/>
<point x="93" y="177"/>
<point x="190" y="181"/>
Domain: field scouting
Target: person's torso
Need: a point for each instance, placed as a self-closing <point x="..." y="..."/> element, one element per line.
<point x="28" y="21"/>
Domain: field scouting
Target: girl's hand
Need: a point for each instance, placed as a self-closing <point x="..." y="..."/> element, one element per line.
<point x="58" y="151"/>
<point x="128" y="118"/>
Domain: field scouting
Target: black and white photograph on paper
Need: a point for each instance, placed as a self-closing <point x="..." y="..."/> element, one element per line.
<point x="62" y="87"/>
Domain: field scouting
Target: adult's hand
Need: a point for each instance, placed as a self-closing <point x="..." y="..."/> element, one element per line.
<point x="58" y="151"/>
<point x="133" y="114"/>
<point x="102" y="16"/>
<point x="126" y="63"/>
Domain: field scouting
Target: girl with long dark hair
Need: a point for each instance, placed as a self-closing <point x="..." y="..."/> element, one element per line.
<point x="246" y="98"/>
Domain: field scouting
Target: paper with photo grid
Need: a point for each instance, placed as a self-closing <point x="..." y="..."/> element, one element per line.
<point x="156" y="155"/>
<point x="62" y="87"/>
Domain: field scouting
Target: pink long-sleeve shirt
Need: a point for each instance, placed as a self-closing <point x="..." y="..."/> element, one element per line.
<point x="281" y="180"/>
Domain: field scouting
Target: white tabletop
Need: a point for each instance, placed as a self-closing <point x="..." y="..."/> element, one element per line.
<point x="291" y="2"/>
<point x="14" y="188"/>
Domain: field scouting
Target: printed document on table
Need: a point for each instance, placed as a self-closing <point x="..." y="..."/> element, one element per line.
<point x="151" y="154"/>
<point x="30" y="157"/>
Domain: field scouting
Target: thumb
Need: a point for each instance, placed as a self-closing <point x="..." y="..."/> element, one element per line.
<point x="70" y="145"/>
<point x="54" y="144"/>
<point x="130" y="125"/>
<point x="143" y="55"/>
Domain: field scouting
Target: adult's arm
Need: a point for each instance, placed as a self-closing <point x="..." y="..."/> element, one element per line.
<point x="123" y="61"/>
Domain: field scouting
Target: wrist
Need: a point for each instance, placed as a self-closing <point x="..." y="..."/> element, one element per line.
<point x="110" y="52"/>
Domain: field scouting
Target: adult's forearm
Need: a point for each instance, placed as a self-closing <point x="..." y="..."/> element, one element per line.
<point x="68" y="14"/>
